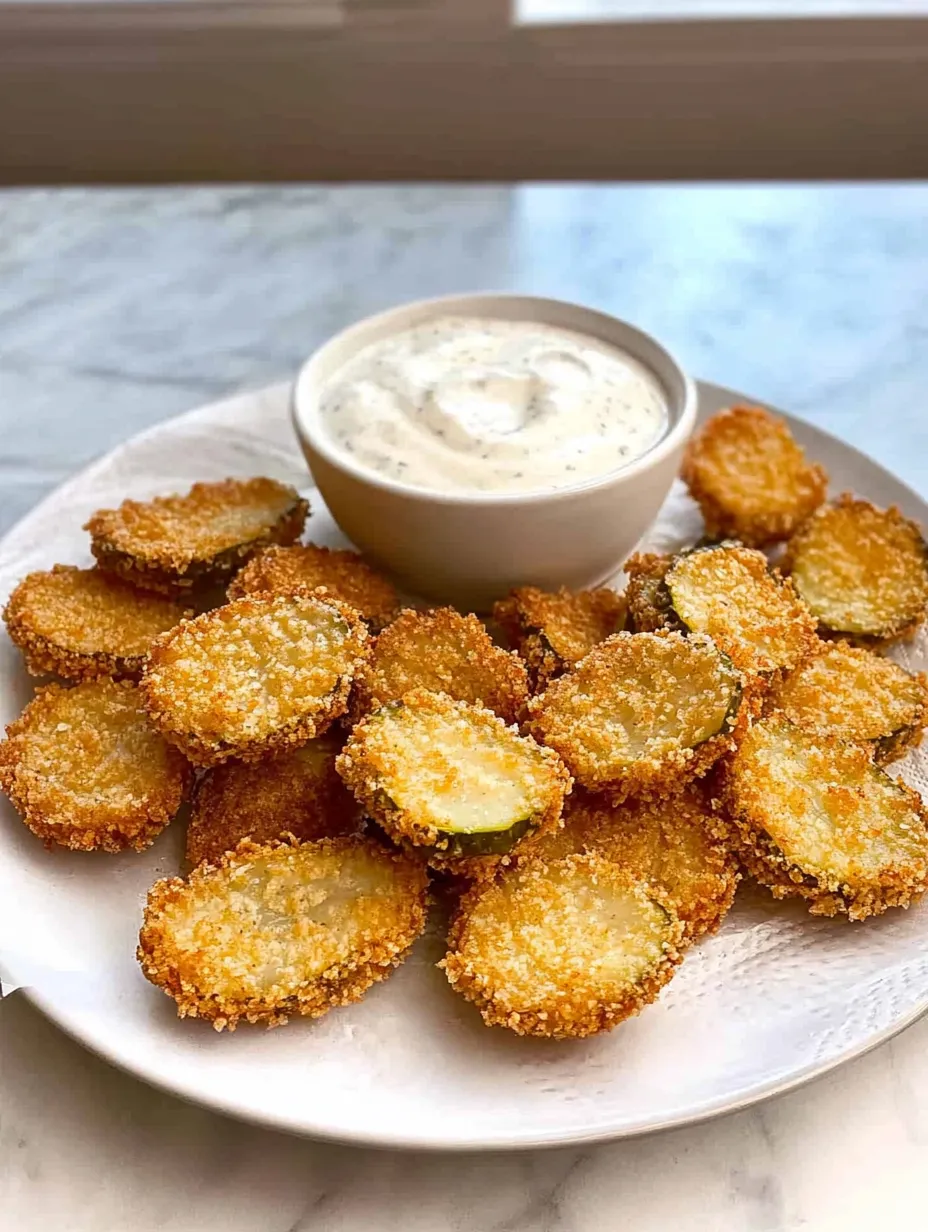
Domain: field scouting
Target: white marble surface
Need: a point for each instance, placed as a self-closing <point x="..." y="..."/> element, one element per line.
<point x="119" y="309"/>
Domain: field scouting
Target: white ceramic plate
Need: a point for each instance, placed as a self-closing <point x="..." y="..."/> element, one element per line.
<point x="774" y="999"/>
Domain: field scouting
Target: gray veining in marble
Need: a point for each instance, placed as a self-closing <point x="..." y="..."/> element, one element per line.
<point x="118" y="309"/>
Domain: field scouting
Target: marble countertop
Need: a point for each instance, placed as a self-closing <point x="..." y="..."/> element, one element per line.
<point x="118" y="309"/>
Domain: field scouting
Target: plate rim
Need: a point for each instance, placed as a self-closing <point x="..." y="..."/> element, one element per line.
<point x="722" y="1106"/>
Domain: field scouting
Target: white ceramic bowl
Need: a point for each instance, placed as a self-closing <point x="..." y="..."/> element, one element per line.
<point x="471" y="548"/>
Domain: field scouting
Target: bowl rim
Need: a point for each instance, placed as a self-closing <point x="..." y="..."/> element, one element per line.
<point x="543" y="308"/>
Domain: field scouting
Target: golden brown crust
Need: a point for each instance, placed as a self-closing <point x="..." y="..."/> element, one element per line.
<point x="172" y="543"/>
<point x="444" y="652"/>
<point x="649" y="606"/>
<point x="565" y="948"/>
<point x="438" y="774"/>
<point x="298" y="792"/>
<point x="345" y="574"/>
<point x="853" y="694"/>
<point x="259" y="675"/>
<point x="282" y="929"/>
<point x="85" y="768"/>
<point x="670" y="843"/>
<point x="812" y="817"/>
<point x="750" y="478"/>
<point x="643" y="714"/>
<point x="82" y="624"/>
<point x="553" y="631"/>
<point x="863" y="571"/>
<point x="730" y="593"/>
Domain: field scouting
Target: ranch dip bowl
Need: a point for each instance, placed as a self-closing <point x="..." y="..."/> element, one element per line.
<point x="474" y="443"/>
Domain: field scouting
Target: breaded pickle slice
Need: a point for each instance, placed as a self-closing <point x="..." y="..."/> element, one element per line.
<point x="444" y="652"/>
<point x="853" y="694"/>
<point x="813" y="817"/>
<point x="643" y="713"/>
<point x="553" y="631"/>
<point x="82" y="623"/>
<point x="451" y="778"/>
<point x="563" y="948"/>
<point x="298" y="792"/>
<point x="282" y="929"/>
<point x="86" y="769"/>
<point x="750" y="612"/>
<point x="344" y="574"/>
<point x="258" y="675"/>
<point x="173" y="543"/>
<point x="649" y="604"/>
<point x="863" y="571"/>
<point x="750" y="478"/>
<point x="671" y="843"/>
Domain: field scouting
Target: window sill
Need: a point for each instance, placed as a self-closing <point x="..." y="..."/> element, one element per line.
<point x="146" y="92"/>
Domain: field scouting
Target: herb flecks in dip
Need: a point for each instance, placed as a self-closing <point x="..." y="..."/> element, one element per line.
<point x="468" y="404"/>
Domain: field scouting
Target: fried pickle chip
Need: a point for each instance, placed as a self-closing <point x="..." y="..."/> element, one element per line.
<point x="297" y="792"/>
<point x="643" y="713"/>
<point x="282" y="929"/>
<point x="649" y="603"/>
<point x="750" y="478"/>
<point x="261" y="674"/>
<point x="670" y="843"/>
<point x="451" y="780"/>
<point x="553" y="631"/>
<point x="444" y="652"/>
<point x="750" y="612"/>
<point x="344" y="574"/>
<point x="82" y="624"/>
<point x="856" y="695"/>
<point x="173" y="543"/>
<point x="86" y="769"/>
<point x="863" y="571"/>
<point x="562" y="948"/>
<point x="812" y="816"/>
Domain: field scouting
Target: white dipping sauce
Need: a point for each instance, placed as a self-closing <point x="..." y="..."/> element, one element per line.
<point x="468" y="404"/>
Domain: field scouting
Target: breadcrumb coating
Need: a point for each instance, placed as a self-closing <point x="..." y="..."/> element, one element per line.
<point x="750" y="478"/>
<point x="670" y="843"/>
<point x="444" y="652"/>
<point x="854" y="694"/>
<point x="649" y="604"/>
<point x="643" y="713"/>
<point x="452" y="780"/>
<point x="562" y="948"/>
<point x="258" y="675"/>
<point x="282" y="929"/>
<point x="173" y="543"/>
<point x="553" y="631"/>
<point x="82" y="624"/>
<point x="863" y="571"/>
<point x="750" y="612"/>
<point x="86" y="769"/>
<point x="812" y="817"/>
<point x="344" y="574"/>
<point x="298" y="792"/>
